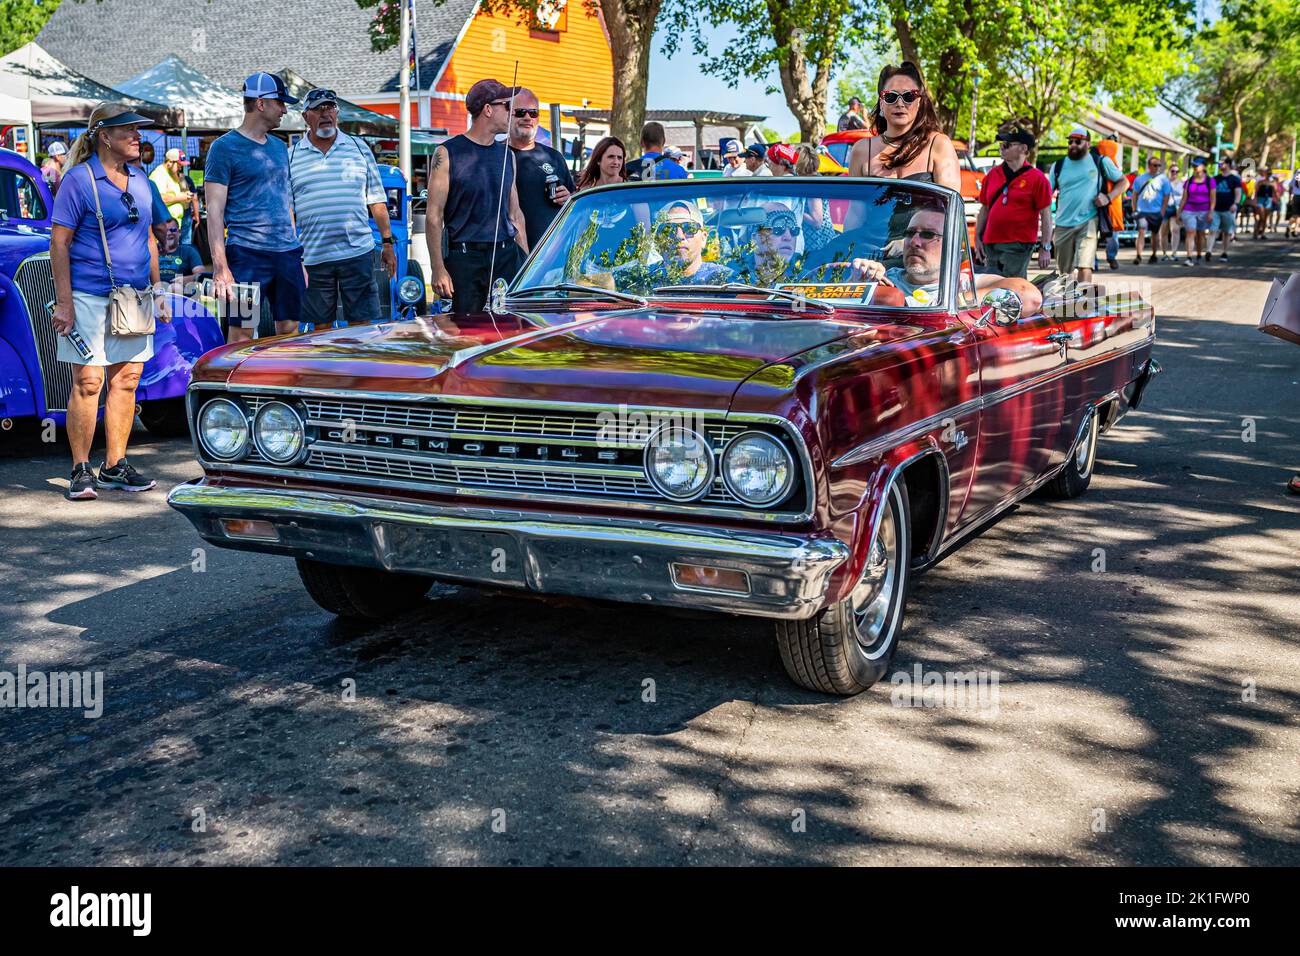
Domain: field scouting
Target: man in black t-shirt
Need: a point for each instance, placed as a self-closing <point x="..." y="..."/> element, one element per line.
<point x="1227" y="195"/>
<point x="542" y="178"/>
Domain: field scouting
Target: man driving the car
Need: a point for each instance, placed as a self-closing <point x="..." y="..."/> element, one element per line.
<point x="918" y="277"/>
<point x="680" y="237"/>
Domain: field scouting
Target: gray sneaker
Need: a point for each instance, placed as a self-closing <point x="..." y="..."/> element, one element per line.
<point x="82" y="485"/>
<point x="124" y="478"/>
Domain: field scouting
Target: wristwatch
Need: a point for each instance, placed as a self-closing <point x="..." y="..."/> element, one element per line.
<point x="389" y="240"/>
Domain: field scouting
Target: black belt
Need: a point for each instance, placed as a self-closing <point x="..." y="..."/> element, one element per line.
<point x="478" y="246"/>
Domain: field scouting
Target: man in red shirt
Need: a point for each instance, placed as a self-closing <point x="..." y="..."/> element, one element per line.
<point x="1015" y="210"/>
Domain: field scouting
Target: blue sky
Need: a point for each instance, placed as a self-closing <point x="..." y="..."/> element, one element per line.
<point x="678" y="83"/>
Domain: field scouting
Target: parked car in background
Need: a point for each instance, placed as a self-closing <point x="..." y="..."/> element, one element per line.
<point x="680" y="401"/>
<point x="33" y="383"/>
<point x="408" y="288"/>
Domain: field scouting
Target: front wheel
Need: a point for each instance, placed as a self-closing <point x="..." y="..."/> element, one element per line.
<point x="1074" y="478"/>
<point x="362" y="593"/>
<point x="165" y="417"/>
<point x="847" y="647"/>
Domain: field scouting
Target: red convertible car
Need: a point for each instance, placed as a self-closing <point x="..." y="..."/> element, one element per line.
<point x="704" y="394"/>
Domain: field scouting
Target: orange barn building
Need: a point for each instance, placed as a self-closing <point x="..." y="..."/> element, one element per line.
<point x="563" y="53"/>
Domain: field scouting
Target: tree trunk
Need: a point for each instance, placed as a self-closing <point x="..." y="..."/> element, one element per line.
<point x="631" y="26"/>
<point x="906" y="42"/>
<point x="804" y="94"/>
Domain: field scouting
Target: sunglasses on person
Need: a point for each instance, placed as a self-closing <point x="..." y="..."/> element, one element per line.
<point x="779" y="227"/>
<point x="890" y="97"/>
<point x="669" y="230"/>
<point x="498" y="103"/>
<point x="1076" y="139"/>
<point x="521" y="113"/>
<point x="922" y="235"/>
<point x="132" y="213"/>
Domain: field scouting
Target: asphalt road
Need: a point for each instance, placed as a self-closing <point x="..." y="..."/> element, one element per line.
<point x="1145" y="713"/>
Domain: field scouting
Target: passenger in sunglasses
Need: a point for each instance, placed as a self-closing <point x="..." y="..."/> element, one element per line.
<point x="908" y="143"/>
<point x="775" y="247"/>
<point x="918" y="277"/>
<point x="543" y="179"/>
<point x="680" y="238"/>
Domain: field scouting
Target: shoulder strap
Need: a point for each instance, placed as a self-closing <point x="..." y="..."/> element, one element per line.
<point x="1056" y="172"/>
<point x="99" y="214"/>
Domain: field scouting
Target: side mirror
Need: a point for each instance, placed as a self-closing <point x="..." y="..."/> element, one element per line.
<point x="498" y="301"/>
<point x="1005" y="304"/>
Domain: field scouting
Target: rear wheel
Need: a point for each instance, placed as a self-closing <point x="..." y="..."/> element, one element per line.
<point x="165" y="417"/>
<point x="847" y="647"/>
<point x="1074" y="478"/>
<point x="362" y="593"/>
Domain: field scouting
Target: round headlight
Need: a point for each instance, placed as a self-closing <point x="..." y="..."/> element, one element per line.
<point x="679" y="463"/>
<point x="410" y="290"/>
<point x="223" y="429"/>
<point x="279" y="433"/>
<point x="757" y="468"/>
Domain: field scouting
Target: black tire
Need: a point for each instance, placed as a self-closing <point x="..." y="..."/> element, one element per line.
<point x="1074" y="478"/>
<point x="832" y="652"/>
<point x="166" y="417"/>
<point x="362" y="593"/>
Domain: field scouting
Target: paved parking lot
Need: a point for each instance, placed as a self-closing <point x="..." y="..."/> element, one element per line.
<point x="500" y="730"/>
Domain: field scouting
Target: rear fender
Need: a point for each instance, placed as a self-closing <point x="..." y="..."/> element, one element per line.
<point x="18" y="397"/>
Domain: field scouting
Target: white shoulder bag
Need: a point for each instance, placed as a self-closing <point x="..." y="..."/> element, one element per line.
<point x="130" y="311"/>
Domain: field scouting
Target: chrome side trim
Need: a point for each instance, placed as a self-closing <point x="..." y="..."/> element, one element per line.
<point x="883" y="443"/>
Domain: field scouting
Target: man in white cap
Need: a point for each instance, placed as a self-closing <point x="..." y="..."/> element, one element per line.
<point x="1085" y="183"/>
<point x="169" y="178"/>
<point x="52" y="168"/>
<point x="731" y="165"/>
<point x="250" y="214"/>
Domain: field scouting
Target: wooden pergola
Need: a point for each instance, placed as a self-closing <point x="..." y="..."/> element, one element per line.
<point x="741" y="122"/>
<point x="1138" y="138"/>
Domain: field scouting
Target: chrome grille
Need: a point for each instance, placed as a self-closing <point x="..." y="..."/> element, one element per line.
<point x="35" y="283"/>
<point x="555" y="427"/>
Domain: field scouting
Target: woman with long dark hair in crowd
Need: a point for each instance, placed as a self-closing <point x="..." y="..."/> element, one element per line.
<point x="101" y="242"/>
<point x="606" y="166"/>
<point x="908" y="143"/>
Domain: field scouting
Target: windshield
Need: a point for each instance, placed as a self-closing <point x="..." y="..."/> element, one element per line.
<point x="833" y="239"/>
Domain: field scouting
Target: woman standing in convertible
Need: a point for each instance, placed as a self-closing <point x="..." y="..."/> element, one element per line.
<point x="908" y="143"/>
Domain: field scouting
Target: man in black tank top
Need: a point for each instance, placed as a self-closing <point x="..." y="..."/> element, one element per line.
<point x="472" y="194"/>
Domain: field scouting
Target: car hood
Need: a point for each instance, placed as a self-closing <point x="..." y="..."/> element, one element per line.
<point x="641" y="357"/>
<point x="18" y="242"/>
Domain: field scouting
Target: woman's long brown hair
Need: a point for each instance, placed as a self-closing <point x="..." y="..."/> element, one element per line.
<point x="591" y="172"/>
<point x="909" y="146"/>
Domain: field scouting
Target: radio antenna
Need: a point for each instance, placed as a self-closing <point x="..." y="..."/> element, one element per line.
<point x="501" y="193"/>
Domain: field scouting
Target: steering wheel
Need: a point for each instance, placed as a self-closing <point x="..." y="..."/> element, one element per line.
<point x="817" y="273"/>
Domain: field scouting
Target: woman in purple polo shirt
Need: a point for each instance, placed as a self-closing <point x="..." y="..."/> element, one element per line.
<point x="100" y="163"/>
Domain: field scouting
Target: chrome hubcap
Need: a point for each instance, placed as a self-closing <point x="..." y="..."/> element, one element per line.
<point x="872" y="599"/>
<point x="1087" y="444"/>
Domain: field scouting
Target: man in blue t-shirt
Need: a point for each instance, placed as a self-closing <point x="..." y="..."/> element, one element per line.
<point x="1152" y="194"/>
<point x="250" y="223"/>
<point x="652" y="163"/>
<point x="1085" y="185"/>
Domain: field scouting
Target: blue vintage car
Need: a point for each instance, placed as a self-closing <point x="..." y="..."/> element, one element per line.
<point x="407" y="289"/>
<point x="33" y="383"/>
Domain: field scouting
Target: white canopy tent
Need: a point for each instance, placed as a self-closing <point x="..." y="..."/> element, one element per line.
<point x="55" y="93"/>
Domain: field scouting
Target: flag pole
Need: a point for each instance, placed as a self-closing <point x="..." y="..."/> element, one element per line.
<point x="404" y="95"/>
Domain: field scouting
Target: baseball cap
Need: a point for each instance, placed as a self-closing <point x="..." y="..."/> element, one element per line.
<point x="1199" y="161"/>
<point x="672" y="152"/>
<point x="1017" y="135"/>
<point x="267" y="86"/>
<point x="176" y="155"/>
<point x="757" y="150"/>
<point x="690" y="208"/>
<point x="1080" y="131"/>
<point x="484" y="92"/>
<point x="319" y="97"/>
<point x="58" y="149"/>
<point x="732" y="148"/>
<point x="783" y="153"/>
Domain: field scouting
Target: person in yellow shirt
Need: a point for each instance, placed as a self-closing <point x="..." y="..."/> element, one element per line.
<point x="170" y="180"/>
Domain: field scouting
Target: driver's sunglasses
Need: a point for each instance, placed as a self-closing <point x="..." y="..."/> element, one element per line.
<point x="689" y="229"/>
<point x="922" y="235"/>
<point x="890" y="97"/>
<point x="521" y="113"/>
<point x="132" y="213"/>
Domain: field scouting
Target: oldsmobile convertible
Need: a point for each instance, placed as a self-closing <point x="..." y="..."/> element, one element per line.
<point x="781" y="398"/>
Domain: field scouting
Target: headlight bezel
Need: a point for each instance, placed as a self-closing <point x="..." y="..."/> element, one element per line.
<point x="419" y="290"/>
<point x="300" y="452"/>
<point x="201" y="434"/>
<point x="791" y="469"/>
<point x="652" y="477"/>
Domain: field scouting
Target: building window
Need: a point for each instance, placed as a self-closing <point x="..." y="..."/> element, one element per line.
<point x="551" y="16"/>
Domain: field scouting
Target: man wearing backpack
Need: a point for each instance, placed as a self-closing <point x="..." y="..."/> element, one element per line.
<point x="1085" y="183"/>
<point x="652" y="163"/>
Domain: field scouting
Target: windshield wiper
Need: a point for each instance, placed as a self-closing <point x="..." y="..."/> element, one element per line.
<point x="584" y="289"/>
<point x="795" y="297"/>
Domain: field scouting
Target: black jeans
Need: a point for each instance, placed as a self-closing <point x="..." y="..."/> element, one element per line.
<point x="351" y="281"/>
<point x="472" y="273"/>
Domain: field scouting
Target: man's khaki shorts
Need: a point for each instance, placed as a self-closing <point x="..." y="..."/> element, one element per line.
<point x="1076" y="246"/>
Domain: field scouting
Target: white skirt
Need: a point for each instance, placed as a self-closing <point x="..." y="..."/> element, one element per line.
<point x="90" y="317"/>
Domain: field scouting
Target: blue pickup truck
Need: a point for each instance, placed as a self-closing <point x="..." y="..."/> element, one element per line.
<point x="34" y="385"/>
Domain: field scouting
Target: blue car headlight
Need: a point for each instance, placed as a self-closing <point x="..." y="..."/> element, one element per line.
<point x="410" y="290"/>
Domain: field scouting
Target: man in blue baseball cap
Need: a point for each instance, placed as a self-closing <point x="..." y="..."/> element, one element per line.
<point x="250" y="223"/>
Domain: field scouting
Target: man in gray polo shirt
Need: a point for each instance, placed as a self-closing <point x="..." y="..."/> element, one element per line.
<point x="336" y="192"/>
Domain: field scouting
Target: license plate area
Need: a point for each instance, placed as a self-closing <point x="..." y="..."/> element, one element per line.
<point x="485" y="556"/>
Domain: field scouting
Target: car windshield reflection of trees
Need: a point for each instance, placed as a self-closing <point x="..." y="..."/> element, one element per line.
<point x="759" y="232"/>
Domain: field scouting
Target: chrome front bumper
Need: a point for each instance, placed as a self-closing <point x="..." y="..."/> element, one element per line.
<point x="595" y="557"/>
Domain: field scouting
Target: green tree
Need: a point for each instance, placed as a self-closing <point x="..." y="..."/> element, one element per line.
<point x="21" y="20"/>
<point x="629" y="23"/>
<point x="803" y="41"/>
